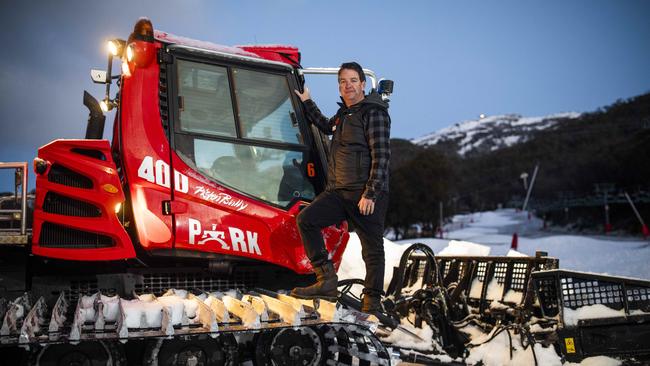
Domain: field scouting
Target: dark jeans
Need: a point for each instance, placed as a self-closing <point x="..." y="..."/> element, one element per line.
<point x="332" y="207"/>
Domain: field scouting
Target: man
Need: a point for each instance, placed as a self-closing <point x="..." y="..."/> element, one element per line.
<point x="357" y="188"/>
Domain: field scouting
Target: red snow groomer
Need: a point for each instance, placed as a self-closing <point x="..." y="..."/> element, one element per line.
<point x="211" y="159"/>
<point x="177" y="233"/>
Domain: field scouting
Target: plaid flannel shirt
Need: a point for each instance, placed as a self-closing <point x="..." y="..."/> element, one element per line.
<point x="378" y="138"/>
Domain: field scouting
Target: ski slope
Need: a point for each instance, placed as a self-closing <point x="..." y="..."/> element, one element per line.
<point x="600" y="254"/>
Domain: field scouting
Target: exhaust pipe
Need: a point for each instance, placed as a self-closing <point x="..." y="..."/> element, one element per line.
<point x="96" y="118"/>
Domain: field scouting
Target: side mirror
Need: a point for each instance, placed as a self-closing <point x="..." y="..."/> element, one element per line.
<point x="385" y="87"/>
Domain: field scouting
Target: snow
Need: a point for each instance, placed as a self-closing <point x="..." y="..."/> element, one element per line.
<point x="490" y="233"/>
<point x="176" y="307"/>
<point x="88" y="308"/>
<point x="494" y="131"/>
<point x="172" y="38"/>
<point x="268" y="46"/>
<point x="595" y="254"/>
<point x="512" y="296"/>
<point x="350" y="267"/>
<point x="425" y="343"/>
<point x="190" y="308"/>
<point x="470" y="126"/>
<point x="464" y="248"/>
<point x="111" y="307"/>
<point x="595" y="311"/>
<point x="511" y="140"/>
<point x="142" y="314"/>
<point x="494" y="290"/>
<point x="514" y="253"/>
<point x="597" y="361"/>
<point x="495" y="353"/>
<point x="475" y="289"/>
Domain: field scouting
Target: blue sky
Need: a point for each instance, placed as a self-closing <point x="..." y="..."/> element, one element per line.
<point x="450" y="60"/>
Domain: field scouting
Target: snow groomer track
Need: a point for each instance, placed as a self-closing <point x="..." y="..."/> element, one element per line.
<point x="186" y="328"/>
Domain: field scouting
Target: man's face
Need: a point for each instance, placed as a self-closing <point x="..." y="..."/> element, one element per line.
<point x="351" y="87"/>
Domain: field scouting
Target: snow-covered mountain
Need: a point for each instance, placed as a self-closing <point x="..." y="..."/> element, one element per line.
<point x="491" y="133"/>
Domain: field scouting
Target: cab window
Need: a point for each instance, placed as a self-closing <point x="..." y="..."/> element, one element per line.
<point x="265" y="109"/>
<point x="251" y="144"/>
<point x="206" y="106"/>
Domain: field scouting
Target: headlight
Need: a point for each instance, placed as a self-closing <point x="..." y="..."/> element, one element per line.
<point x="116" y="47"/>
<point x="112" y="48"/>
<point x="40" y="166"/>
<point x="107" y="105"/>
<point x="126" y="71"/>
<point x="104" y="106"/>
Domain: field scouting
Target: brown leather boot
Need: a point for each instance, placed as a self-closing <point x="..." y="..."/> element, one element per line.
<point x="371" y="303"/>
<point x="325" y="287"/>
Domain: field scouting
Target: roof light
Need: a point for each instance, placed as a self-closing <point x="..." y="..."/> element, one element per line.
<point x="141" y="49"/>
<point x="143" y="27"/>
<point x="142" y="31"/>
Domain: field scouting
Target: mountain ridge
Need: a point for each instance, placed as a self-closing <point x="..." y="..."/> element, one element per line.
<point x="491" y="133"/>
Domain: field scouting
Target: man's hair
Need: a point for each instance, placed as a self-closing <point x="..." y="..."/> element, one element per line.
<point x="353" y="66"/>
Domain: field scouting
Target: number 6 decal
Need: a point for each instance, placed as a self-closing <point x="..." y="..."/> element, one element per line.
<point x="311" y="172"/>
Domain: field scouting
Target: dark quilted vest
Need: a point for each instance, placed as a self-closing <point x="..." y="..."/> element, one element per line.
<point x="349" y="163"/>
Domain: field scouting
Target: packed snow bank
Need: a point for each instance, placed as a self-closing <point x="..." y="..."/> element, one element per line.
<point x="596" y="361"/>
<point x="425" y="343"/>
<point x="514" y="253"/>
<point x="353" y="265"/>
<point x="596" y="311"/>
<point x="465" y="248"/>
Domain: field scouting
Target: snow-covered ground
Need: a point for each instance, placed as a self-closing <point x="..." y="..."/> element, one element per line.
<point x="494" y="230"/>
<point x="607" y="255"/>
<point x="600" y="254"/>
